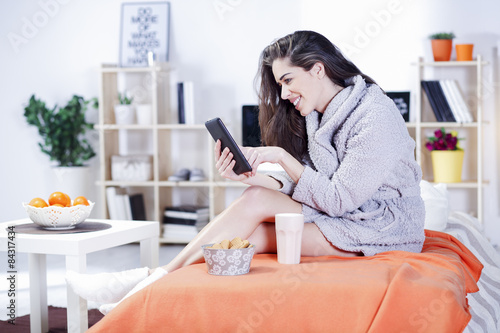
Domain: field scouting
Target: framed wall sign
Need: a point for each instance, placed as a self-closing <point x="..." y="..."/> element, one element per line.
<point x="402" y="101"/>
<point x="144" y="28"/>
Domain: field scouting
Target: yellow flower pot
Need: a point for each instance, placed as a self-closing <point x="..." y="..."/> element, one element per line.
<point x="447" y="165"/>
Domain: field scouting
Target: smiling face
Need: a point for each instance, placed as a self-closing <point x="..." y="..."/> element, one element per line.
<point x="306" y="90"/>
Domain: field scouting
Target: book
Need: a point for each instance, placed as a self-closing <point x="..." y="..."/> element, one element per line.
<point x="454" y="107"/>
<point x="194" y="209"/>
<point x="126" y="204"/>
<point x="434" y="100"/>
<point x="444" y="102"/>
<point x="173" y="220"/>
<point x="180" y="102"/>
<point x="117" y="208"/>
<point x="111" y="203"/>
<point x="137" y="206"/>
<point x="460" y="100"/>
<point x="186" y="215"/>
<point x="183" y="220"/>
<point x="189" y="103"/>
<point x="185" y="101"/>
<point x="179" y="233"/>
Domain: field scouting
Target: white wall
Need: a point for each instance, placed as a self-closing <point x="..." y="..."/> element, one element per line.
<point x="218" y="50"/>
<point x="213" y="43"/>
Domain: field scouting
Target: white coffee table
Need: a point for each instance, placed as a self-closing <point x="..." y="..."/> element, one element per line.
<point x="75" y="247"/>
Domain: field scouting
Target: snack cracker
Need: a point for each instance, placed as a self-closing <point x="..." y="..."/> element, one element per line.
<point x="236" y="243"/>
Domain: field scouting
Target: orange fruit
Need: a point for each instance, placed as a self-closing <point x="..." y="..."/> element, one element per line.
<point x="81" y="200"/>
<point x="69" y="200"/>
<point x="38" y="202"/>
<point x="59" y="198"/>
<point x="57" y="205"/>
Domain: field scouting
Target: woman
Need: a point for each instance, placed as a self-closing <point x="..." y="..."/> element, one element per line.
<point x="348" y="165"/>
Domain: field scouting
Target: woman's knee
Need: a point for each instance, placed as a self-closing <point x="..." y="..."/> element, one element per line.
<point x="257" y="194"/>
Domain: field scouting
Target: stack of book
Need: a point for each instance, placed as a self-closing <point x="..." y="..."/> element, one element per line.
<point x="123" y="206"/>
<point x="182" y="223"/>
<point x="447" y="101"/>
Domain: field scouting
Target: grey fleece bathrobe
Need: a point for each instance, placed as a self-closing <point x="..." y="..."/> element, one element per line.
<point x="361" y="182"/>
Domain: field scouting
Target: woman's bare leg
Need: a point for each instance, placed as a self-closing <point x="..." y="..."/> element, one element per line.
<point x="240" y="219"/>
<point x="246" y="218"/>
<point x="313" y="242"/>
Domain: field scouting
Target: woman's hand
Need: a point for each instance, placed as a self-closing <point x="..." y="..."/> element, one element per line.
<point x="225" y="163"/>
<point x="256" y="156"/>
<point x="259" y="155"/>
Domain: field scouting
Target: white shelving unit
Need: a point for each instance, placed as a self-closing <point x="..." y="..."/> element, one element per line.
<point x="473" y="130"/>
<point x="164" y="132"/>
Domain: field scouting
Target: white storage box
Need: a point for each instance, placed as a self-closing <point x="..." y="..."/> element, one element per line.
<point x="131" y="168"/>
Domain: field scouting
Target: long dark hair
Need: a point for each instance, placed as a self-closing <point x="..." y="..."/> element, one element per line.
<point x="280" y="124"/>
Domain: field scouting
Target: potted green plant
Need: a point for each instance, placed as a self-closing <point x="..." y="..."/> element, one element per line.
<point x="447" y="156"/>
<point x="124" y="110"/>
<point x="442" y="43"/>
<point x="63" y="130"/>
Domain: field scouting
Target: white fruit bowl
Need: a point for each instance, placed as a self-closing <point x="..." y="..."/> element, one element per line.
<point x="58" y="218"/>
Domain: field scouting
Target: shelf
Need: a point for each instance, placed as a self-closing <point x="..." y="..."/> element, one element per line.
<point x="112" y="68"/>
<point x="122" y="183"/>
<point x="167" y="183"/>
<point x="451" y="63"/>
<point x="223" y="183"/>
<point x="445" y="124"/>
<point x="115" y="127"/>
<point x="181" y="127"/>
<point x="174" y="240"/>
<point x="466" y="184"/>
<point x="420" y="128"/>
<point x="162" y="139"/>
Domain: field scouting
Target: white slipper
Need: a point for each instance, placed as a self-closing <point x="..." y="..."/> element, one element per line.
<point x="105" y="287"/>
<point x="157" y="274"/>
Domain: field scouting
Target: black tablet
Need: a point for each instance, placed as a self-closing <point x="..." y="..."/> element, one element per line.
<point x="219" y="132"/>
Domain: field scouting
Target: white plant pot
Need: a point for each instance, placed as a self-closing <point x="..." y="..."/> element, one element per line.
<point x="124" y="114"/>
<point x="144" y="114"/>
<point x="71" y="180"/>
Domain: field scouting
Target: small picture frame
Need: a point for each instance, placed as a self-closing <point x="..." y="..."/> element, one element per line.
<point x="402" y="101"/>
<point x="144" y="33"/>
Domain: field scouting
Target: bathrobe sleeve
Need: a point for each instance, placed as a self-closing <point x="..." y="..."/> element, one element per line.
<point x="288" y="186"/>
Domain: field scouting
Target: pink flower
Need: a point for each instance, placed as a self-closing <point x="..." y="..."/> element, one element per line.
<point x="443" y="141"/>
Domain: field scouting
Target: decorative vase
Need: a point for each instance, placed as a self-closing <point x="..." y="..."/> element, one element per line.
<point x="441" y="49"/>
<point x="72" y="180"/>
<point x="144" y="114"/>
<point x="125" y="114"/>
<point x="464" y="52"/>
<point x="447" y="165"/>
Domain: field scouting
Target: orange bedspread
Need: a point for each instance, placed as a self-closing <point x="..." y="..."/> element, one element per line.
<point x="390" y="292"/>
